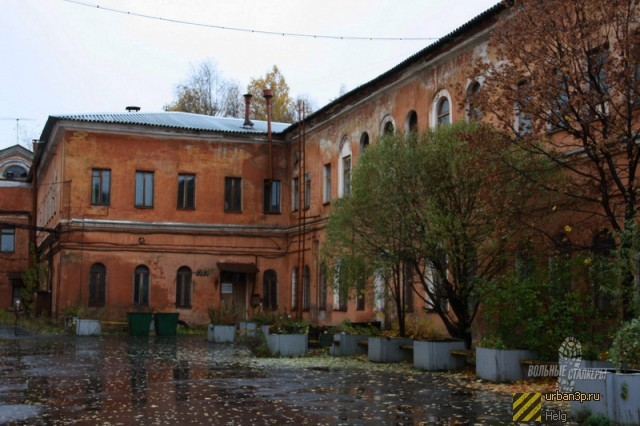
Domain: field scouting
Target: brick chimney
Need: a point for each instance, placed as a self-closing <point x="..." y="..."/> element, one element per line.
<point x="247" y="110"/>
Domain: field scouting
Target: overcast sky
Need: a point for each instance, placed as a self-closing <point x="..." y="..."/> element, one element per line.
<point x="58" y="56"/>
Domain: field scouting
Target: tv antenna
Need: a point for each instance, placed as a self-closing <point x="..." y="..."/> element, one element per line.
<point x="17" y="125"/>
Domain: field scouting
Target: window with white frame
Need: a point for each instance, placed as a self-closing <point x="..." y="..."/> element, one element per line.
<point x="344" y="169"/>
<point x="326" y="183"/>
<point x="441" y="109"/>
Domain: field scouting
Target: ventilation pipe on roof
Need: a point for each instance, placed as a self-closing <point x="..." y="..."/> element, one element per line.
<point x="268" y="94"/>
<point x="133" y="108"/>
<point x="247" y="110"/>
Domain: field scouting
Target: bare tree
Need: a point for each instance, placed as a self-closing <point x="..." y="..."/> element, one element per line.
<point x="565" y="83"/>
<point x="205" y="91"/>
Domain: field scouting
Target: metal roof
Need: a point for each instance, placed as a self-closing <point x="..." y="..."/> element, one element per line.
<point x="175" y="120"/>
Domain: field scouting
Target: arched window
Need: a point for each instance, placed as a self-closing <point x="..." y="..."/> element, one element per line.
<point x="97" y="285"/>
<point x="364" y="141"/>
<point x="441" y="109"/>
<point x="141" y="286"/>
<point x="270" y="290"/>
<point x="183" y="287"/>
<point x="15" y="172"/>
<point x="294" y="288"/>
<point x="411" y="124"/>
<point x="444" y="112"/>
<point x="473" y="113"/>
<point x="306" y="288"/>
<point x="387" y="125"/>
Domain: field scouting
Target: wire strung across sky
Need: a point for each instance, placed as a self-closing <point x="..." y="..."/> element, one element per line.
<point x="248" y="30"/>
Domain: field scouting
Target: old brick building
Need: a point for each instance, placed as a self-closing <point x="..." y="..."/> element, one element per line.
<point x="16" y="207"/>
<point x="175" y="211"/>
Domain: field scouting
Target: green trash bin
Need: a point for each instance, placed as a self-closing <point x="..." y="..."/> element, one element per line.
<point x="166" y="323"/>
<point x="139" y="323"/>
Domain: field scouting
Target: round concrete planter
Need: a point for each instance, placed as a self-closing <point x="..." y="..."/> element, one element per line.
<point x="221" y="333"/>
<point x="434" y="355"/>
<point x="619" y="394"/>
<point x="501" y="365"/>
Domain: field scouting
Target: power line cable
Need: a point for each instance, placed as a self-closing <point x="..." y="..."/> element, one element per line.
<point x="249" y="30"/>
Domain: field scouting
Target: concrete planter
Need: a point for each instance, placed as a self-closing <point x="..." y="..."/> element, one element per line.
<point x="247" y="328"/>
<point x="434" y="355"/>
<point x="287" y="344"/>
<point x="626" y="394"/>
<point x="221" y="333"/>
<point x="347" y="344"/>
<point x="619" y="394"/>
<point x="501" y="365"/>
<point x="88" y="327"/>
<point x="387" y="349"/>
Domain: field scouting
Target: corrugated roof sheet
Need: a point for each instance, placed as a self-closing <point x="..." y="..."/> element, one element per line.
<point x="176" y="120"/>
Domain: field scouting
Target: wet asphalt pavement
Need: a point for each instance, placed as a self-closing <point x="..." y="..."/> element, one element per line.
<point x="121" y="380"/>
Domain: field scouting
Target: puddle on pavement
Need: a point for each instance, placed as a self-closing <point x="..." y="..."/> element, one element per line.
<point x="186" y="380"/>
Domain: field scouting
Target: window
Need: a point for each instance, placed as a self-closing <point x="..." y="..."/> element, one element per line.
<point x="295" y="194"/>
<point x="364" y="141"/>
<point x="97" y="285"/>
<point x="294" y="288"/>
<point x="601" y="271"/>
<point x="272" y="196"/>
<point x="326" y="183"/>
<point x="270" y="290"/>
<point x="100" y="187"/>
<point x="322" y="305"/>
<point x="346" y="175"/>
<point x="307" y="190"/>
<point x="411" y="125"/>
<point x="523" y="122"/>
<point x="473" y="113"/>
<point x="141" y="286"/>
<point x="443" y="111"/>
<point x="232" y="194"/>
<point x="183" y="287"/>
<point x="598" y="76"/>
<point x="437" y="283"/>
<point x="388" y="128"/>
<point x="306" y="288"/>
<point x="144" y="189"/>
<point x="407" y="290"/>
<point x="186" y="191"/>
<point x="360" y="294"/>
<point x="15" y="172"/>
<point x="7" y="240"/>
<point x="340" y="290"/>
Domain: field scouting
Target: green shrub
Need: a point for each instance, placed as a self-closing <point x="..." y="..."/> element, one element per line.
<point x="625" y="350"/>
<point x="225" y="314"/>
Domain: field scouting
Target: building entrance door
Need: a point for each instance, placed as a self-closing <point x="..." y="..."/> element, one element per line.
<point x="233" y="289"/>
